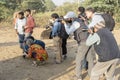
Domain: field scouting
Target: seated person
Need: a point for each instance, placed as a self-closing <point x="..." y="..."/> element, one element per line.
<point x="35" y="49"/>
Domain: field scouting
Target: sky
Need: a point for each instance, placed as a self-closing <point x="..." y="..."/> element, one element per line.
<point x="60" y="2"/>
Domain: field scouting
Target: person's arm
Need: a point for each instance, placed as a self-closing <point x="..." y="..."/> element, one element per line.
<point x="16" y="27"/>
<point x="55" y="29"/>
<point x="72" y="28"/>
<point x="92" y="39"/>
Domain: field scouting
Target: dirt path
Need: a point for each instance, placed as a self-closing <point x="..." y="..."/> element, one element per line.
<point x="14" y="67"/>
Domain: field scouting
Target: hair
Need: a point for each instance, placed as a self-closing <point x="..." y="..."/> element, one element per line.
<point x="81" y="9"/>
<point x="31" y="37"/>
<point x="91" y="9"/>
<point x="21" y="13"/>
<point x="55" y="15"/>
<point x="28" y="10"/>
<point x="29" y="40"/>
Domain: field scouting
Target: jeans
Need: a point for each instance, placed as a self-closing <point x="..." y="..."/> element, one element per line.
<point x="27" y="35"/>
<point x="21" y="40"/>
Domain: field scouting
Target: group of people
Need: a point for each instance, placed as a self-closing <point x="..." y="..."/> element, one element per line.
<point x="92" y="31"/>
<point x="24" y="25"/>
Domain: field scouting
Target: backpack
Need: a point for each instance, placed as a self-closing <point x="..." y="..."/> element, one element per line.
<point x="62" y="32"/>
<point x="81" y="33"/>
<point x="109" y="21"/>
<point x="37" y="52"/>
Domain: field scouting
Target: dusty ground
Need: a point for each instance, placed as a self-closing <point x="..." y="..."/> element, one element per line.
<point x="14" y="67"/>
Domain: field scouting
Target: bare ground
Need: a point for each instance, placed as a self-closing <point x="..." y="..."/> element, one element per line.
<point x="14" y="67"/>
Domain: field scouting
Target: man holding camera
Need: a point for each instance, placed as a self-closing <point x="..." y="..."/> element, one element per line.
<point x="78" y="27"/>
<point x="57" y="41"/>
<point x="105" y="46"/>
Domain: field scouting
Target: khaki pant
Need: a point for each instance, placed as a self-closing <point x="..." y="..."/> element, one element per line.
<point x="58" y="48"/>
<point x="80" y="56"/>
<point x="107" y="67"/>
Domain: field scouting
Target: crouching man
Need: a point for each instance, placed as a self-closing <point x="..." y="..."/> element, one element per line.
<point x="107" y="49"/>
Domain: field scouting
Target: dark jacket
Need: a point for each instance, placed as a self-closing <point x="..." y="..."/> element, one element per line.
<point x="108" y="48"/>
<point x="79" y="34"/>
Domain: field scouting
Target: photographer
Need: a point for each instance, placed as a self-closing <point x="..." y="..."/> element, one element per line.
<point x="107" y="50"/>
<point x="76" y="26"/>
<point x="82" y="15"/>
<point x="57" y="41"/>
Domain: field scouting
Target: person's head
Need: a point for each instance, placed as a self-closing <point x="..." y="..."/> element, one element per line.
<point x="30" y="40"/>
<point x="54" y="16"/>
<point x="81" y="10"/>
<point x="21" y="15"/>
<point x="70" y="16"/>
<point x="27" y="12"/>
<point x="89" y="12"/>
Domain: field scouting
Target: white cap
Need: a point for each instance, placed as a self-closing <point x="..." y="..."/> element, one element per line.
<point x="70" y="15"/>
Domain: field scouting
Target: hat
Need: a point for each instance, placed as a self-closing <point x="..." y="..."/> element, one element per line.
<point x="70" y="15"/>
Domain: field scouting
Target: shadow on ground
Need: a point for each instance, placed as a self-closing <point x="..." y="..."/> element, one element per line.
<point x="22" y="69"/>
<point x="8" y="44"/>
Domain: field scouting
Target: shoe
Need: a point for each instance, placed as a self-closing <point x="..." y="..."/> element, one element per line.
<point x="58" y="62"/>
<point x="76" y="78"/>
<point x="64" y="57"/>
<point x="24" y="56"/>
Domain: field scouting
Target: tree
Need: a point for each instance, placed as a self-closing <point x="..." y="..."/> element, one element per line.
<point x="38" y="5"/>
<point x="50" y="6"/>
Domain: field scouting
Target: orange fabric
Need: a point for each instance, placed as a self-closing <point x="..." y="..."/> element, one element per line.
<point x="41" y="54"/>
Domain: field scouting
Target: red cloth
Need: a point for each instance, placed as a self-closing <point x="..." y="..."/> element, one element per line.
<point x="30" y="24"/>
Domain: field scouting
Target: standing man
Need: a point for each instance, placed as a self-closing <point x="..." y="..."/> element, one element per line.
<point x="76" y="26"/>
<point x="82" y="16"/>
<point x="56" y="39"/>
<point x="19" y="28"/>
<point x="30" y="23"/>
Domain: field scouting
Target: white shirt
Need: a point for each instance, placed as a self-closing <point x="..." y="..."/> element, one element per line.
<point x="71" y="28"/>
<point x="20" y="24"/>
<point x="95" y="19"/>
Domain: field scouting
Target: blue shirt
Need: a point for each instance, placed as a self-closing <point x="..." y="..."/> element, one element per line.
<point x="95" y="19"/>
<point x="56" y="28"/>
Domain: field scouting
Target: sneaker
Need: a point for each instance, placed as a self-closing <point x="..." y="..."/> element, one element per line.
<point x="24" y="56"/>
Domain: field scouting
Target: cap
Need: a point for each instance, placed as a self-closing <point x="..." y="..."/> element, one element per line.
<point x="70" y="15"/>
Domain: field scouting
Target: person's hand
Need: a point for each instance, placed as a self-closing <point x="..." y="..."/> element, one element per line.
<point x="26" y="27"/>
<point x="17" y="33"/>
<point x="63" y="21"/>
<point x="90" y="31"/>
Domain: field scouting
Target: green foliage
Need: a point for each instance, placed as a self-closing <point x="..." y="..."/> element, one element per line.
<point x="50" y="6"/>
<point x="34" y="5"/>
<point x="104" y="6"/>
<point x="67" y="7"/>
